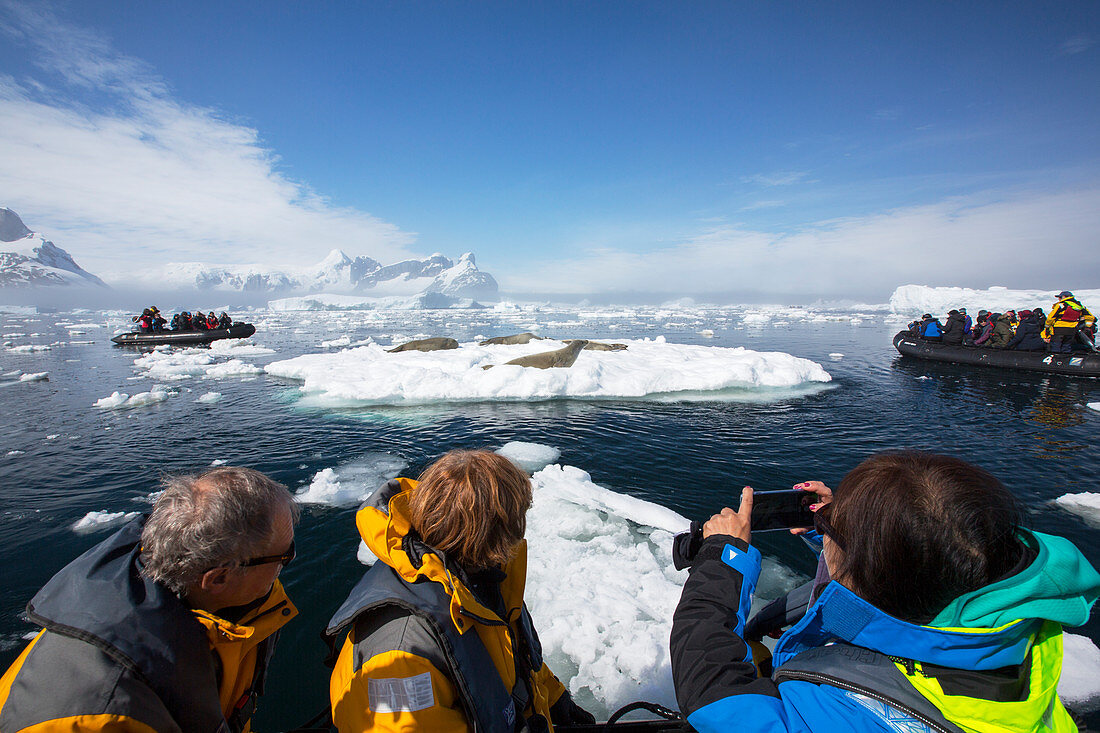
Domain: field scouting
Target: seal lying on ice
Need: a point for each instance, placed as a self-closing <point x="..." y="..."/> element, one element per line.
<point x="434" y="344"/>
<point x="599" y="346"/>
<point x="549" y="359"/>
<point x="518" y="338"/>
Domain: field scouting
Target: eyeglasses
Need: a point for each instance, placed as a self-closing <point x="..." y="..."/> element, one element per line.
<point x="823" y="527"/>
<point x="283" y="559"/>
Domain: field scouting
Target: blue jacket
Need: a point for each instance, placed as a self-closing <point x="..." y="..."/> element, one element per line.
<point x="931" y="328"/>
<point x="718" y="688"/>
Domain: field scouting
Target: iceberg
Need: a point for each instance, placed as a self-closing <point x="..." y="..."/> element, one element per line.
<point x="648" y="369"/>
<point x="918" y="299"/>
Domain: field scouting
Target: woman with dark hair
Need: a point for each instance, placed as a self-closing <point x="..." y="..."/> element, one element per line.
<point x="436" y="634"/>
<point x="935" y="611"/>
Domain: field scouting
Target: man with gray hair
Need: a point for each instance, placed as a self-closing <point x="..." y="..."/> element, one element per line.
<point x="168" y="625"/>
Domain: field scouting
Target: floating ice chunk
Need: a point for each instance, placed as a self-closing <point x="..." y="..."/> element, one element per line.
<point x="836" y="356"/>
<point x="210" y="398"/>
<point x="351" y="483"/>
<point x="238" y="347"/>
<point x="1094" y="405"/>
<point x="35" y="377"/>
<point x="29" y="348"/>
<point x="53" y="436"/>
<point x="335" y="343"/>
<point x="1079" y="686"/>
<point x="530" y="457"/>
<point x="923" y="377"/>
<point x="218" y="462"/>
<point x="648" y="369"/>
<point x="232" y="368"/>
<point x="607" y="637"/>
<point x="15" y="452"/>
<point x="121" y="400"/>
<point x="364" y="555"/>
<point x="707" y="333"/>
<point x="95" y="521"/>
<point x="1085" y="505"/>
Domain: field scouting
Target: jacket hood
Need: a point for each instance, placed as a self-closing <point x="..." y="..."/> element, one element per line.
<point x="383" y="523"/>
<point x="1059" y="585"/>
<point x="990" y="628"/>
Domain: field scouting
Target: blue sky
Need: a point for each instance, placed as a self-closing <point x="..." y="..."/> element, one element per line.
<point x="573" y="146"/>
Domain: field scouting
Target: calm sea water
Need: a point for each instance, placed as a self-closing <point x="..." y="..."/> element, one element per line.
<point x="65" y="458"/>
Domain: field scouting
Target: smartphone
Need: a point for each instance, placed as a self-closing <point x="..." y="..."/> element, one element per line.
<point x="782" y="509"/>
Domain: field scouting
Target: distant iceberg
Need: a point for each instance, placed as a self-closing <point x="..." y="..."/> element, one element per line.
<point x="332" y="302"/>
<point x="648" y="369"/>
<point x="918" y="299"/>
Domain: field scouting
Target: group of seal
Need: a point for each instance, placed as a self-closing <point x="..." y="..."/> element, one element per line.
<point x="558" y="358"/>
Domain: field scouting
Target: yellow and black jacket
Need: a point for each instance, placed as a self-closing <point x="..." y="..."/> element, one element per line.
<point x="420" y="651"/>
<point x="119" y="653"/>
<point x="1068" y="312"/>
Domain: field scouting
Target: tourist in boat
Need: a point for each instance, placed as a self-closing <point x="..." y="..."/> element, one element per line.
<point x="986" y="333"/>
<point x="930" y="328"/>
<point x="198" y="321"/>
<point x="429" y="632"/>
<point x="1065" y="317"/>
<point x="968" y="322"/>
<point x="935" y="610"/>
<point x="211" y="321"/>
<point x="1029" y="334"/>
<point x="955" y="328"/>
<point x="167" y="625"/>
<point x="224" y="321"/>
<point x="1002" y="330"/>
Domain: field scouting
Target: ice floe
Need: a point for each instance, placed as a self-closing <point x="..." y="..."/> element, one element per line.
<point x="29" y="348"/>
<point x="652" y="369"/>
<point x="172" y="364"/>
<point x="1079" y="686"/>
<point x="35" y="377"/>
<point x="351" y="483"/>
<point x="1094" y="406"/>
<point x="1085" y="505"/>
<point x="210" y="398"/>
<point x="530" y="457"/>
<point x="123" y="401"/>
<point x="95" y="521"/>
<point x="917" y="299"/>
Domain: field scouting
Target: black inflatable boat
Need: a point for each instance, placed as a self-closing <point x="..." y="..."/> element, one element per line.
<point x="1077" y="364"/>
<point x="184" y="338"/>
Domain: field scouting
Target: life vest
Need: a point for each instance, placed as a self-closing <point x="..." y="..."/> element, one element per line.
<point x="488" y="705"/>
<point x="102" y="600"/>
<point x="944" y="700"/>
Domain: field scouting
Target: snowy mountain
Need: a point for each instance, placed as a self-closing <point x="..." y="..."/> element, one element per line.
<point x="338" y="273"/>
<point x="28" y="259"/>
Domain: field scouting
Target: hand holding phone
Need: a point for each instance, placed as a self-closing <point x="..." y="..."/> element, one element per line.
<point x="788" y="509"/>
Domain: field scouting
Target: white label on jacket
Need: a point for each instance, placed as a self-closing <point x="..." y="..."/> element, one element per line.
<point x="400" y="694"/>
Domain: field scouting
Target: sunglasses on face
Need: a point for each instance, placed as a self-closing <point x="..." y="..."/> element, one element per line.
<point x="824" y="528"/>
<point x="283" y="559"/>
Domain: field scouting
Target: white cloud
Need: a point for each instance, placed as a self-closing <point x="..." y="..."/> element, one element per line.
<point x="778" y="178"/>
<point x="1043" y="240"/>
<point x="131" y="176"/>
<point x="1076" y="45"/>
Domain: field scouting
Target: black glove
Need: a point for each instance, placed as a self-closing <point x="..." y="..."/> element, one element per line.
<point x="567" y="712"/>
<point x="685" y="546"/>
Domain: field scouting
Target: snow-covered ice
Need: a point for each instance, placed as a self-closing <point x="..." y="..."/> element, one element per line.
<point x="95" y="521"/>
<point x="1085" y="505"/>
<point x="351" y="483"/>
<point x="530" y="457"/>
<point x="1094" y="406"/>
<point x="917" y="299"/>
<point x="35" y="377"/>
<point x="121" y="400"/>
<point x="1079" y="686"/>
<point x="651" y="369"/>
<point x="175" y="364"/>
